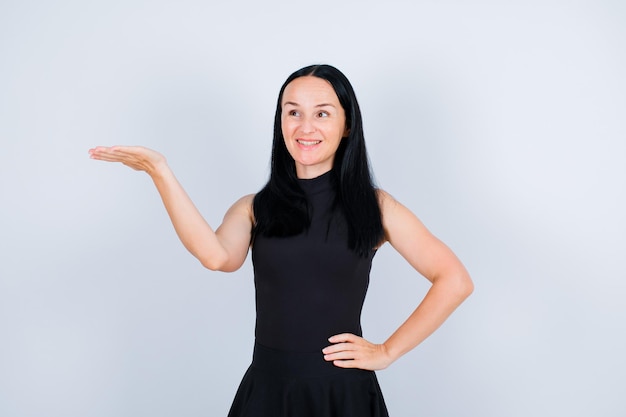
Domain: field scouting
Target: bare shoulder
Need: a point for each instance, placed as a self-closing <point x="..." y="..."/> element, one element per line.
<point x="398" y="220"/>
<point x="385" y="199"/>
<point x="243" y="206"/>
<point x="245" y="202"/>
<point x="389" y="206"/>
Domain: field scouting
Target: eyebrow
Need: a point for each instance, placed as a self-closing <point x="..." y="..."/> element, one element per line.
<point x="292" y="103"/>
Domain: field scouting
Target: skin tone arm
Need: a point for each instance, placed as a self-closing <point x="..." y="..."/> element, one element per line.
<point x="450" y="280"/>
<point x="224" y="249"/>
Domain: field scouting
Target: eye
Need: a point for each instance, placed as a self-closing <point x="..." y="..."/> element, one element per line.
<point x="322" y="114"/>
<point x="293" y="113"/>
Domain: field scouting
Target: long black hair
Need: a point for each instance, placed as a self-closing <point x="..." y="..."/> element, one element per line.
<point x="281" y="207"/>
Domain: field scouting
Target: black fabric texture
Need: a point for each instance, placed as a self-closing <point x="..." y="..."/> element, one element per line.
<point x="296" y="384"/>
<point x="309" y="286"/>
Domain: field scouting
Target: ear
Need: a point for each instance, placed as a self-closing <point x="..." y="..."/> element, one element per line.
<point x="346" y="133"/>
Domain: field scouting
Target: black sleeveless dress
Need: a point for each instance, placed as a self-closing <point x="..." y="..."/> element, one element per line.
<point x="308" y="288"/>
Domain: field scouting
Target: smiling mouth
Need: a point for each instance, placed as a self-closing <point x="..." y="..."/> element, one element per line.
<point x="308" y="142"/>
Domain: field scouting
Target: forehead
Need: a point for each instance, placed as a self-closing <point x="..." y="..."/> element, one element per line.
<point x="309" y="90"/>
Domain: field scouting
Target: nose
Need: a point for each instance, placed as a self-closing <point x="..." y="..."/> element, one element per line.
<point x="307" y="125"/>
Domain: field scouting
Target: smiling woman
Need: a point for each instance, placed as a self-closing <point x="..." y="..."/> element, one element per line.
<point x="314" y="230"/>
<point x="313" y="124"/>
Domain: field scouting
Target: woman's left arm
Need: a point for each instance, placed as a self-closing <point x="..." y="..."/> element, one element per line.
<point x="451" y="284"/>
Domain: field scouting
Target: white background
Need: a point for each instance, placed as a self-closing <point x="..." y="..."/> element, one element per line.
<point x="500" y="124"/>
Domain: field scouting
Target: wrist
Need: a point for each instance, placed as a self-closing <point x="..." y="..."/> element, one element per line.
<point x="391" y="352"/>
<point x="389" y="358"/>
<point x="159" y="170"/>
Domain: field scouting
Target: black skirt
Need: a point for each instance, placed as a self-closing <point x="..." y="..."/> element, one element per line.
<point x="293" y="384"/>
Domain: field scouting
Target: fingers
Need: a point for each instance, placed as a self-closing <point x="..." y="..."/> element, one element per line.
<point x="136" y="157"/>
<point x="110" y="154"/>
<point x="344" y="337"/>
<point x="340" y="351"/>
<point x="344" y="341"/>
<point x="346" y="347"/>
<point x="351" y="351"/>
<point x="350" y="356"/>
<point x="349" y="364"/>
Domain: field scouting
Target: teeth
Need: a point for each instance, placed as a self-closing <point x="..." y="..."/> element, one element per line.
<point x="309" y="142"/>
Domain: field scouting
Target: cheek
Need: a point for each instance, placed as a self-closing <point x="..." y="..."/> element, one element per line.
<point x="285" y="132"/>
<point x="285" y="128"/>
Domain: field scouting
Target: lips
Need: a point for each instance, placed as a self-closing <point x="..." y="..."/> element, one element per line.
<point x="308" y="142"/>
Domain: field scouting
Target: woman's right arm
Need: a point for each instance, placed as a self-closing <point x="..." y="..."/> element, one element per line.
<point x="224" y="249"/>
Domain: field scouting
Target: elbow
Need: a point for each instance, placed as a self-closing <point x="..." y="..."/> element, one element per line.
<point x="458" y="285"/>
<point x="215" y="262"/>
<point x="211" y="264"/>
<point x="464" y="286"/>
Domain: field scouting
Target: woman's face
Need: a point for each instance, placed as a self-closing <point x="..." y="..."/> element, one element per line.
<point x="313" y="124"/>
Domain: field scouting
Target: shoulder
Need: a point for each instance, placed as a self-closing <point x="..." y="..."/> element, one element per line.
<point x="243" y="206"/>
<point x="386" y="201"/>
<point x="246" y="200"/>
<point x="397" y="219"/>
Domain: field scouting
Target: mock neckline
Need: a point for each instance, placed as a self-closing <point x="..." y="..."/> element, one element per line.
<point x="317" y="184"/>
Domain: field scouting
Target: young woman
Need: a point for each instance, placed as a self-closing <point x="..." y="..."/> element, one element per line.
<point x="313" y="230"/>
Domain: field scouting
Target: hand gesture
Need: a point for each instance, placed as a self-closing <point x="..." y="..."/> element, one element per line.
<point x="136" y="157"/>
<point x="351" y="351"/>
